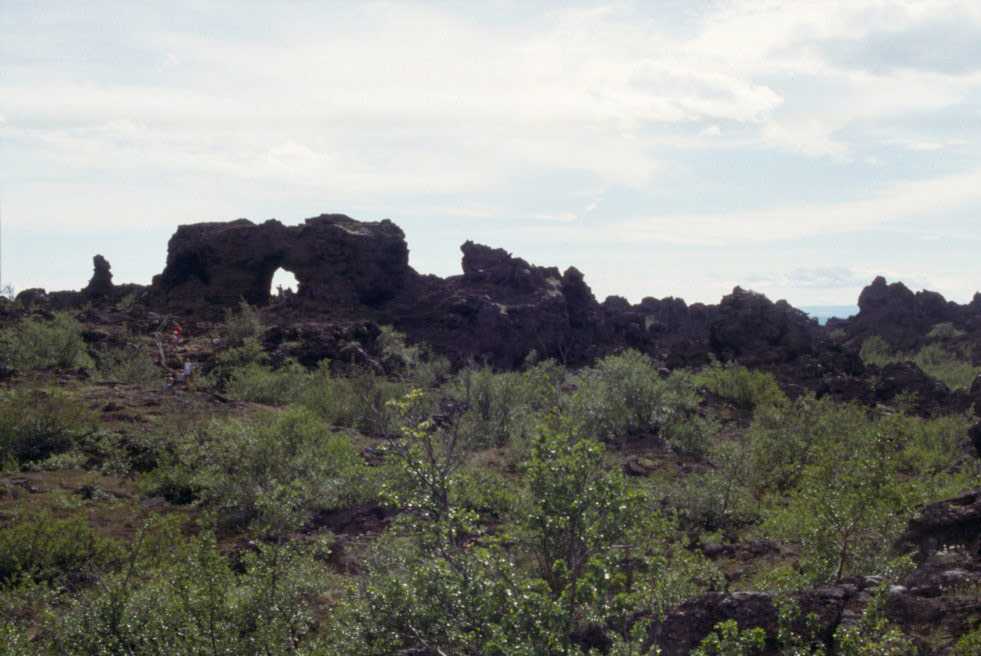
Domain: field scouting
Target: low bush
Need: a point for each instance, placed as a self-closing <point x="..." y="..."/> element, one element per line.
<point x="39" y="344"/>
<point x="719" y="499"/>
<point x="624" y="396"/>
<point x="130" y="364"/>
<point x="747" y="389"/>
<point x="848" y="504"/>
<point x="44" y="548"/>
<point x="949" y="364"/>
<point x="36" y="423"/>
<point x="503" y="408"/>
<point x="945" y="330"/>
<point x="229" y="360"/>
<point x="182" y="596"/>
<point x="261" y="384"/>
<point x="274" y="470"/>
<point x="241" y="323"/>
<point x="361" y="400"/>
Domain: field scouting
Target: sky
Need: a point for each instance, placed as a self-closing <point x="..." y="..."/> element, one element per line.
<point x="664" y="147"/>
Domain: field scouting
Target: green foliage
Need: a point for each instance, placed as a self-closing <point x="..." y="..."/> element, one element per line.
<point x="722" y="498"/>
<point x="274" y="470"/>
<point x="873" y="635"/>
<point x="35" y="424"/>
<point x="38" y="344"/>
<point x="952" y="368"/>
<point x="877" y="351"/>
<point x="947" y="363"/>
<point x="729" y="640"/>
<point x="129" y="364"/>
<point x="261" y="384"/>
<point x="624" y="396"/>
<point x="361" y="400"/>
<point x="504" y="408"/>
<point x="44" y="548"/>
<point x="226" y="362"/>
<point x="452" y="587"/>
<point x="178" y="596"/>
<point x="747" y="389"/>
<point x="968" y="644"/>
<point x="241" y="324"/>
<point x="585" y="523"/>
<point x="946" y="330"/>
<point x="848" y="505"/>
<point x="783" y="437"/>
<point x="414" y="362"/>
<point x="580" y="508"/>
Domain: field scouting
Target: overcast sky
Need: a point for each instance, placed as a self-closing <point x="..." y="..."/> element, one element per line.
<point x="672" y="147"/>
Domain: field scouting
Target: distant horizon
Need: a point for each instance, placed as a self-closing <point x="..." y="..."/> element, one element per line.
<point x="663" y="148"/>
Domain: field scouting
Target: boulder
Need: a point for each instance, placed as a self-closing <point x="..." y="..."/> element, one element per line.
<point x="955" y="521"/>
<point x="930" y="396"/>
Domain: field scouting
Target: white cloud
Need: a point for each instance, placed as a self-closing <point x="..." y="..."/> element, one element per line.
<point x="617" y="123"/>
<point x="920" y="200"/>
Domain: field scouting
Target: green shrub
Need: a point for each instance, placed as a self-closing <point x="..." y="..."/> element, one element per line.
<point x="952" y="367"/>
<point x="226" y="362"/>
<point x="624" y="395"/>
<point x="44" y="548"/>
<point x="745" y="388"/>
<point x="414" y="363"/>
<point x="275" y="470"/>
<point x="35" y="424"/>
<point x="504" y="408"/>
<point x="877" y="351"/>
<point x="782" y="438"/>
<point x="260" y="384"/>
<point x="849" y="504"/>
<point x="727" y="639"/>
<point x="241" y="324"/>
<point x="873" y="634"/>
<point x="945" y="330"/>
<point x="38" y="344"/>
<point x="968" y="644"/>
<point x="360" y="400"/>
<point x="130" y="364"/>
<point x="721" y="498"/>
<point x="180" y="596"/>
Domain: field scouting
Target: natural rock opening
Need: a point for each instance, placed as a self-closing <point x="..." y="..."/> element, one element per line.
<point x="284" y="284"/>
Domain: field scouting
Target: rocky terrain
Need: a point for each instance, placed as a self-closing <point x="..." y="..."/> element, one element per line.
<point x="503" y="314"/>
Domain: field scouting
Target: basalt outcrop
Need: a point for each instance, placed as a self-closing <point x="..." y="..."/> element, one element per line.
<point x="337" y="261"/>
<point x="905" y="319"/>
<point x="502" y="309"/>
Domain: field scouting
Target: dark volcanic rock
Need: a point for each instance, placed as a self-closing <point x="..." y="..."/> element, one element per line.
<point x="501" y="310"/>
<point x="899" y="316"/>
<point x="753" y="329"/>
<point x="931" y="396"/>
<point x="337" y="261"/>
<point x="34" y="297"/>
<point x="100" y="286"/>
<point x="954" y="521"/>
<point x="685" y="626"/>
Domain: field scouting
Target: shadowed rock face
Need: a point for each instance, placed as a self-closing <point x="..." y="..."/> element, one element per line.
<point x="336" y="261"/>
<point x="499" y="310"/>
<point x="100" y="286"/>
<point x="502" y="308"/>
<point x="901" y="317"/>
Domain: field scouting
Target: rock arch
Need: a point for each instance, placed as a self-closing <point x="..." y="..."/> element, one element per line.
<point x="336" y="260"/>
